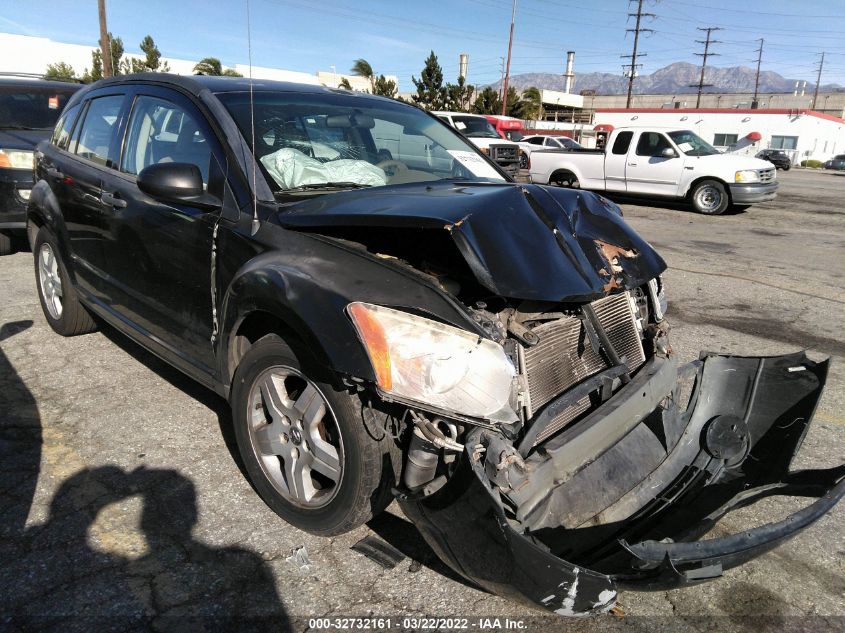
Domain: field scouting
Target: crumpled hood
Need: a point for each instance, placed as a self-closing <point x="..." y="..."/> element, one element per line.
<point x="520" y="241"/>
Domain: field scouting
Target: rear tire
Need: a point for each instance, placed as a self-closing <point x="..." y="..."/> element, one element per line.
<point x="5" y="243"/>
<point x="59" y="300"/>
<point x="787" y="167"/>
<point x="564" y="179"/>
<point x="710" y="197"/>
<point x="313" y="453"/>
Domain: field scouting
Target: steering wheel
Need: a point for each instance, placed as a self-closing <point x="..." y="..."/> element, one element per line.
<point x="392" y="163"/>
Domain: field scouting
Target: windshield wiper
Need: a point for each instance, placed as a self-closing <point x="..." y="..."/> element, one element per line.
<point x="325" y="186"/>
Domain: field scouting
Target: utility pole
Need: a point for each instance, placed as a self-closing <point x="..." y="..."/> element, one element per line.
<point x="757" y="76"/>
<point x="508" y="67"/>
<point x="502" y="79"/>
<point x="632" y="67"/>
<point x="105" y="42"/>
<point x="818" y="81"/>
<point x="707" y="42"/>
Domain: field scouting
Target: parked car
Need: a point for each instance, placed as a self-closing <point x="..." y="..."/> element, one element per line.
<point x="29" y="108"/>
<point x="661" y="163"/>
<point x="837" y="162"/>
<point x="409" y="322"/>
<point x="776" y="157"/>
<point x="551" y="142"/>
<point x="484" y="136"/>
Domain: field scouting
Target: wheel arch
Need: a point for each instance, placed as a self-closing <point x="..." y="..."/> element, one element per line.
<point x="694" y="183"/>
<point x="271" y="300"/>
<point x="44" y="210"/>
<point x="563" y="171"/>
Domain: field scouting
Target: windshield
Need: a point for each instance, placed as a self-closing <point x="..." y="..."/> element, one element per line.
<point x="477" y="127"/>
<point x="514" y="135"/>
<point x="313" y="142"/>
<point x="32" y="108"/>
<point x="692" y="144"/>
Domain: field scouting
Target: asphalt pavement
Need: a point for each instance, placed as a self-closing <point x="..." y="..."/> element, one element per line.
<point x="123" y="499"/>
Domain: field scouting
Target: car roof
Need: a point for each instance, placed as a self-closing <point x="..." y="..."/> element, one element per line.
<point x="195" y="84"/>
<point x="37" y="82"/>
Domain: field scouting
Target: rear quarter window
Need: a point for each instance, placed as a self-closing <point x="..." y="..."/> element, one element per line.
<point x="622" y="142"/>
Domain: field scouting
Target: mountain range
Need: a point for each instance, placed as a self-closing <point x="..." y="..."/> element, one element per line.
<point x="675" y="78"/>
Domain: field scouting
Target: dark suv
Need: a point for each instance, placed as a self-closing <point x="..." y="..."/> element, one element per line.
<point x="776" y="157"/>
<point x="390" y="316"/>
<point x="29" y="108"/>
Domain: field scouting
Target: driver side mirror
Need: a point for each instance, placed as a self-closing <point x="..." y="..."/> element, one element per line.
<point x="668" y="152"/>
<point x="176" y="182"/>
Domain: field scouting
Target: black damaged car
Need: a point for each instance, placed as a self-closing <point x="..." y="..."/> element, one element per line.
<point x="391" y="317"/>
<point x="29" y="108"/>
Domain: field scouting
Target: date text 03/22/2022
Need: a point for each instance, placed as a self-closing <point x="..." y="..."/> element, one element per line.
<point x="416" y="624"/>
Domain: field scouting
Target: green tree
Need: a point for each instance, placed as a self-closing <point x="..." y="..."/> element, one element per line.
<point x="116" y="47"/>
<point x="152" y="56"/>
<point x="96" y="72"/>
<point x="459" y="95"/>
<point x="60" y="72"/>
<point x="212" y="66"/>
<point x="385" y="87"/>
<point x="362" y="68"/>
<point x="344" y="83"/>
<point x="532" y="103"/>
<point x="514" y="104"/>
<point x="431" y="94"/>
<point x="487" y="102"/>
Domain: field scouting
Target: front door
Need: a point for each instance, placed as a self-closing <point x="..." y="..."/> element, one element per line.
<point x="648" y="171"/>
<point x="159" y="253"/>
<point x="616" y="161"/>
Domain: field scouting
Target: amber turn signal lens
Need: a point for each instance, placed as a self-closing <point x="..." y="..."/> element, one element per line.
<point x="375" y="340"/>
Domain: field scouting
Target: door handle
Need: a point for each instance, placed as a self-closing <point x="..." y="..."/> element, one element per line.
<point x="54" y="173"/>
<point x="109" y="199"/>
<point x="632" y="164"/>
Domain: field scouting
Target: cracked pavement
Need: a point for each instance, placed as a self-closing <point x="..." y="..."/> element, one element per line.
<point x="123" y="502"/>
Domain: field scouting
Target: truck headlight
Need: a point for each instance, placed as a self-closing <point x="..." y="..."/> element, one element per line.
<point x="424" y="361"/>
<point x="747" y="175"/>
<point x="16" y="158"/>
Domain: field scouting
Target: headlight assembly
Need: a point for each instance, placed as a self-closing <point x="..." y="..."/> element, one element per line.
<point x="424" y="361"/>
<point x="747" y="175"/>
<point x="16" y="158"/>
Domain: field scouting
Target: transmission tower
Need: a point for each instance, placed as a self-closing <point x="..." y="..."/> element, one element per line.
<point x="707" y="42"/>
<point x="632" y="67"/>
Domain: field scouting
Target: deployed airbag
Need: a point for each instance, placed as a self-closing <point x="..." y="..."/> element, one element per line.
<point x="291" y="168"/>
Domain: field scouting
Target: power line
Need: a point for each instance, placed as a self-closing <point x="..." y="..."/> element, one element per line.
<point x="632" y="67"/>
<point x="707" y="42"/>
<point x="818" y="81"/>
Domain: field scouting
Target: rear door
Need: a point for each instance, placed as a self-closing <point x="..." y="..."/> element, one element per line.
<point x="616" y="161"/>
<point x="648" y="171"/>
<point x="159" y="254"/>
<point x="77" y="178"/>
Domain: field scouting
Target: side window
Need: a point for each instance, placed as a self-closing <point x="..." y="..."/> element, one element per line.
<point x="97" y="133"/>
<point x="537" y="140"/>
<point x="163" y="132"/>
<point x="61" y="135"/>
<point x="651" y="144"/>
<point x="623" y="142"/>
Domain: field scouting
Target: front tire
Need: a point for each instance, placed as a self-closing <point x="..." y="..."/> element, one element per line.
<point x="309" y="449"/>
<point x="710" y="197"/>
<point x="59" y="301"/>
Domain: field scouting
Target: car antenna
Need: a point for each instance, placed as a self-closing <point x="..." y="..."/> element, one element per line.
<point x="255" y="223"/>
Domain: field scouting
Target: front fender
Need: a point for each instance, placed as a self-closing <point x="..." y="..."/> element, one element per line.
<point x="308" y="287"/>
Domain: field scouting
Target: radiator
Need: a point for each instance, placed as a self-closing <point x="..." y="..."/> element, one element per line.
<point x="564" y="357"/>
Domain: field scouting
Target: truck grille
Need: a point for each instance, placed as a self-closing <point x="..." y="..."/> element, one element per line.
<point x="767" y="175"/>
<point x="564" y="357"/>
<point x="504" y="153"/>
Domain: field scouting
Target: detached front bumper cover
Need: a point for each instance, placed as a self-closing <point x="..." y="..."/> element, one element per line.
<point x="748" y="417"/>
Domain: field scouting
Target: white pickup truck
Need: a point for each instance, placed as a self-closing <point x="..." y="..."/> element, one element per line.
<point x="661" y="162"/>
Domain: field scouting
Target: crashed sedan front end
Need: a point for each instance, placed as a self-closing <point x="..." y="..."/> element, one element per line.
<point x="557" y="452"/>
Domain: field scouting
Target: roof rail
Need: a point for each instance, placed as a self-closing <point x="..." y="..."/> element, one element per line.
<point x="38" y="76"/>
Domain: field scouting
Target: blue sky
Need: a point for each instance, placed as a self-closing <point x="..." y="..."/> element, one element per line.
<point x="396" y="35"/>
